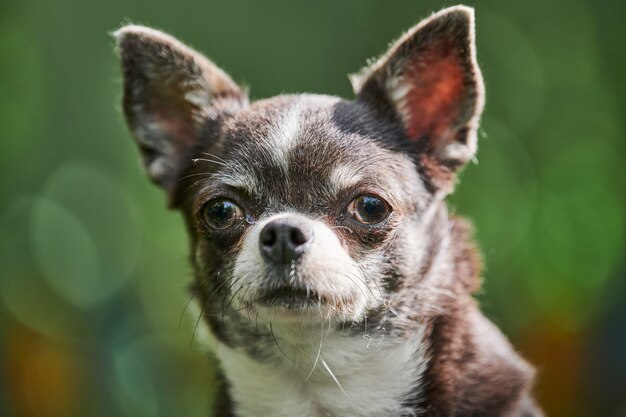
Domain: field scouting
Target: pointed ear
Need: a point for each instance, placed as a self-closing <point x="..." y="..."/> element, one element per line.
<point x="174" y="100"/>
<point x="430" y="82"/>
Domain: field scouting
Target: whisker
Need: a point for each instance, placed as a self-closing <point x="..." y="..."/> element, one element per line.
<point x="370" y="279"/>
<point x="244" y="297"/>
<point x="193" y="185"/>
<point x="207" y="174"/>
<point x="180" y="320"/>
<point x="277" y="345"/>
<point x="231" y="300"/>
<point x="256" y="322"/>
<point x="349" y="276"/>
<point x="195" y="328"/>
<point x="227" y="293"/>
<point x="393" y="240"/>
<point x="216" y="290"/>
<point x="319" y="351"/>
<point x="208" y="160"/>
<point x="353" y="276"/>
<point x="333" y="377"/>
<point x="210" y="155"/>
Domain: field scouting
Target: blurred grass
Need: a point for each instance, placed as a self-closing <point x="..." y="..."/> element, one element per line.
<point x="93" y="268"/>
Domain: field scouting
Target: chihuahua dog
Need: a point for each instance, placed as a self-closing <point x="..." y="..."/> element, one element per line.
<point x="329" y="275"/>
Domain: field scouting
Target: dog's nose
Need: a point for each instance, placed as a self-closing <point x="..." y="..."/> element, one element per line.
<point x="284" y="240"/>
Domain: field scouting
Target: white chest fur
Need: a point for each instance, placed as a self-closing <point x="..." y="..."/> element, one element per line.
<point x="350" y="376"/>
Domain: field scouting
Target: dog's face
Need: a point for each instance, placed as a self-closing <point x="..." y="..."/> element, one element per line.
<point x="305" y="208"/>
<point x="301" y="206"/>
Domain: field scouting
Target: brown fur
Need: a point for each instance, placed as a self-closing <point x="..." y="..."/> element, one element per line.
<point x="473" y="371"/>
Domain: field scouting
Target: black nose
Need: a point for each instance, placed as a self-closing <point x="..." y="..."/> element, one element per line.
<point x="284" y="240"/>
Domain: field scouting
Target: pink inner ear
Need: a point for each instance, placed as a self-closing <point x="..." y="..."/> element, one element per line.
<point x="173" y="113"/>
<point x="433" y="103"/>
<point x="176" y="127"/>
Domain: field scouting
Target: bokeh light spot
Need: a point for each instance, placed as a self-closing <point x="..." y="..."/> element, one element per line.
<point x="84" y="234"/>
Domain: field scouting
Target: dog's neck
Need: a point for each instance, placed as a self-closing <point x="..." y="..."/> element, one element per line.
<point x="366" y="371"/>
<point x="345" y="374"/>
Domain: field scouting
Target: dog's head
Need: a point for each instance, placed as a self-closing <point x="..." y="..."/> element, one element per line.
<point x="305" y="207"/>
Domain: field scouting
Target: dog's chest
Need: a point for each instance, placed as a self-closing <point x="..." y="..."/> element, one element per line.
<point x="349" y="378"/>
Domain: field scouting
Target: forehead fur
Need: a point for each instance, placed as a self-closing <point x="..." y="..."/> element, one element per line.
<point x="303" y="148"/>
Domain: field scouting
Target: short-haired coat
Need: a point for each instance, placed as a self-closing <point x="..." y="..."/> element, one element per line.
<point x="330" y="277"/>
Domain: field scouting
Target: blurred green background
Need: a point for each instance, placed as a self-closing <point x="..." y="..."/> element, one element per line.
<point x="93" y="268"/>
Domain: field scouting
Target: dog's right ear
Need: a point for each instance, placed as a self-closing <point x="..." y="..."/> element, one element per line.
<point x="174" y="101"/>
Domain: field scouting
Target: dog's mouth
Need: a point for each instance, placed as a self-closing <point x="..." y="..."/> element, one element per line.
<point x="300" y="295"/>
<point x="291" y="298"/>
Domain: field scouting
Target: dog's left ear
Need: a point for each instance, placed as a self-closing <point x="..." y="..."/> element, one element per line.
<point x="430" y="82"/>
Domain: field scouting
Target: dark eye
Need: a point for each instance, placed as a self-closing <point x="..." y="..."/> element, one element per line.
<point x="369" y="209"/>
<point x="221" y="214"/>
